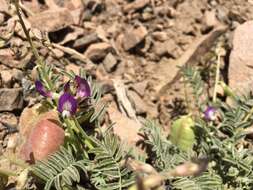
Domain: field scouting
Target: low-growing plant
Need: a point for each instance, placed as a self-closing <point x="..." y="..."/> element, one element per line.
<point x="206" y="149"/>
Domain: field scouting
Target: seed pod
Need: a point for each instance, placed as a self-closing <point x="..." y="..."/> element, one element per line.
<point x="182" y="133"/>
<point x="45" y="138"/>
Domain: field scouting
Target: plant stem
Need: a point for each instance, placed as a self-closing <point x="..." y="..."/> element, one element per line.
<point x="217" y="77"/>
<point x="4" y="172"/>
<point x="248" y="115"/>
<point x="41" y="64"/>
<point x="188" y="105"/>
<point x="88" y="140"/>
<point x="74" y="125"/>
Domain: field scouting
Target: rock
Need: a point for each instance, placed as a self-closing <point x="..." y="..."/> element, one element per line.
<point x="199" y="47"/>
<point x="77" y="15"/>
<point x="138" y="103"/>
<point x="57" y="53"/>
<point x="135" y="5"/>
<point x="72" y="35"/>
<point x="133" y="37"/>
<point x="17" y="75"/>
<point x="45" y="138"/>
<point x="9" y="77"/>
<point x="85" y="41"/>
<point x="165" y="48"/>
<point x="140" y="87"/>
<point x="241" y="59"/>
<point x="8" y="124"/>
<point x="30" y="116"/>
<point x="109" y="62"/>
<point x="127" y="129"/>
<point x="98" y="51"/>
<point x="6" y="77"/>
<point x="2" y="18"/>
<point x="8" y="118"/>
<point x="51" y="20"/>
<point x="11" y="99"/>
<point x="4" y="6"/>
<point x="13" y="141"/>
<point x="71" y="68"/>
<point x="160" y="36"/>
<point x="210" y="19"/>
<point x="7" y="58"/>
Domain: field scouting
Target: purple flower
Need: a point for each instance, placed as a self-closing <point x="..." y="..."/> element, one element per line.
<point x="41" y="89"/>
<point x="67" y="105"/>
<point x="83" y="88"/>
<point x="210" y="113"/>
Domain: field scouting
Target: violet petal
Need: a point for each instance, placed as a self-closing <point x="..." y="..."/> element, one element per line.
<point x="83" y="87"/>
<point x="41" y="89"/>
<point x="67" y="103"/>
<point x="210" y="113"/>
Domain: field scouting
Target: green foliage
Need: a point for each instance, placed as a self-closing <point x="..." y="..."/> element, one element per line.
<point x="204" y="182"/>
<point x="223" y="142"/>
<point x="164" y="154"/>
<point x="193" y="78"/>
<point x="108" y="170"/>
<point x="182" y="133"/>
<point x="60" y="170"/>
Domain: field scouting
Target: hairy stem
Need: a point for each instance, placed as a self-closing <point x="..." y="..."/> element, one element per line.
<point x="41" y="64"/>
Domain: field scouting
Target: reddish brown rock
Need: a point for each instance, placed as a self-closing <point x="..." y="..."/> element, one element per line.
<point x="241" y="59"/>
<point x="30" y="116"/>
<point x="40" y="133"/>
<point x="45" y="138"/>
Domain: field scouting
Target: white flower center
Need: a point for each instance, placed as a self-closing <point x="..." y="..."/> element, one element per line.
<point x="65" y="113"/>
<point x="67" y="106"/>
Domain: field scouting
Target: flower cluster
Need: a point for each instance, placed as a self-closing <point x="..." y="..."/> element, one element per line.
<point x="70" y="97"/>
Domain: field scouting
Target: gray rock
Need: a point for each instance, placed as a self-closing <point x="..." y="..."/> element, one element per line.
<point x="85" y="41"/>
<point x="138" y="103"/>
<point x="6" y="77"/>
<point x="109" y="62"/>
<point x="241" y="59"/>
<point x="11" y="99"/>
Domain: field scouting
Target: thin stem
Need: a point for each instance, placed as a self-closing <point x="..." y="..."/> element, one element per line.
<point x="217" y="77"/>
<point x="34" y="50"/>
<point x="88" y="141"/>
<point x="74" y="125"/>
<point x="41" y="64"/>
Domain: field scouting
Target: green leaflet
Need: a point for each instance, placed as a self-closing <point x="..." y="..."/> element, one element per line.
<point x="182" y="134"/>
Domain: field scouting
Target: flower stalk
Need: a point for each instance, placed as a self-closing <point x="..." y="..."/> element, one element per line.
<point x="74" y="126"/>
<point x="41" y="65"/>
